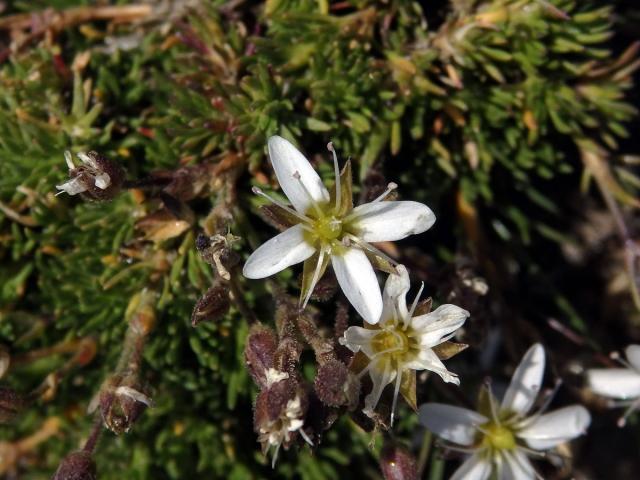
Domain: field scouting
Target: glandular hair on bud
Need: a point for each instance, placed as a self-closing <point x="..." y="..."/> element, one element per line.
<point x="397" y="463"/>
<point x="259" y="351"/>
<point x="212" y="306"/>
<point x="11" y="404"/>
<point x="335" y="385"/>
<point x="76" y="466"/>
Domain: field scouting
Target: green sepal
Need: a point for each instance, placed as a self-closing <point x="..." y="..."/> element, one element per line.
<point x="408" y="388"/>
<point x="346" y="191"/>
<point x="380" y="263"/>
<point x="446" y="350"/>
<point x="308" y="269"/>
<point x="278" y="217"/>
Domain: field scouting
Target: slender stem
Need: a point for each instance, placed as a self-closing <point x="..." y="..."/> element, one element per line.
<point x="425" y="449"/>
<point x="94" y="436"/>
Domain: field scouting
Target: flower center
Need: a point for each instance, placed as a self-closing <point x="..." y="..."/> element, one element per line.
<point x="498" y="437"/>
<point x="328" y="228"/>
<point x="391" y="342"/>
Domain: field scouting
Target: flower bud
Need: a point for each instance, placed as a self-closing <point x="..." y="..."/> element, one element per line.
<point x="397" y="463"/>
<point x="259" y="351"/>
<point x="76" y="466"/>
<point x="96" y="178"/>
<point x="212" y="306"/>
<point x="336" y="386"/>
<point x="11" y="404"/>
<point x="121" y="403"/>
<point x="217" y="251"/>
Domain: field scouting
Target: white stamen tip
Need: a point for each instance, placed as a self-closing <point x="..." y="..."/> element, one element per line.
<point x="330" y="146"/>
<point x="69" y="159"/>
<point x="392" y="186"/>
<point x="256" y="190"/>
<point x="614" y="355"/>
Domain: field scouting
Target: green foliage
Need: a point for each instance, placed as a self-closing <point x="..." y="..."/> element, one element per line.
<point x="482" y="99"/>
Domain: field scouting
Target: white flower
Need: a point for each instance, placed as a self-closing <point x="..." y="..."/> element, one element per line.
<point x="78" y="183"/>
<point x="500" y="438"/>
<point x="401" y="343"/>
<point x="329" y="228"/>
<point x="620" y="383"/>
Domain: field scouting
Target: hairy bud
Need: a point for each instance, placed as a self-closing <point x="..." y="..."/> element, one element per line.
<point x="336" y="386"/>
<point x="76" y="466"/>
<point x="121" y="403"/>
<point x="212" y="306"/>
<point x="259" y="352"/>
<point x="397" y="463"/>
<point x="96" y="178"/>
<point x="11" y="404"/>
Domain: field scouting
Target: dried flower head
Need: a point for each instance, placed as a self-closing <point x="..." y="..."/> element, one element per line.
<point x="96" y="178"/>
<point x="279" y="413"/>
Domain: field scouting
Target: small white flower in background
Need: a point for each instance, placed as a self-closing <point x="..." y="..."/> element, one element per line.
<point x="78" y="184"/>
<point x="501" y="437"/>
<point x="401" y="343"/>
<point x="96" y="177"/>
<point x="329" y="228"/>
<point x="620" y="383"/>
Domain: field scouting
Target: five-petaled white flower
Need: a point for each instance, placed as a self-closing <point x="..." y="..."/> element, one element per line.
<point x="400" y="343"/>
<point x="500" y="437"/>
<point x="620" y="383"/>
<point x="329" y="228"/>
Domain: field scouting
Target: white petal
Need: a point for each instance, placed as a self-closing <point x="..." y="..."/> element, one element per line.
<point x="516" y="466"/>
<point x="455" y="424"/>
<point x="435" y="326"/>
<point x="72" y="187"/>
<point x="358" y="338"/>
<point x="620" y="383"/>
<point x="388" y="221"/>
<point x="283" y="250"/>
<point x="526" y="381"/>
<point x="359" y="283"/>
<point x="474" y="468"/>
<point x="557" y="427"/>
<point x="633" y="356"/>
<point x="286" y="161"/>
<point x="394" y="296"/>
<point x="428" y="360"/>
<point x="382" y="374"/>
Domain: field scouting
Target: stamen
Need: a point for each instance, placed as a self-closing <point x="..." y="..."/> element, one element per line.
<point x="367" y="246"/>
<point x="622" y="421"/>
<point x="275" y="456"/>
<point x="315" y="278"/>
<point x="396" y="390"/>
<point x="315" y="205"/>
<point x="545" y="405"/>
<point x="306" y="438"/>
<point x="415" y="301"/>
<point x="258" y="191"/>
<point x="336" y="169"/>
<point x="390" y="188"/>
<point x="492" y="402"/>
<point x="69" y="159"/>
<point x="455" y="448"/>
<point x="618" y="358"/>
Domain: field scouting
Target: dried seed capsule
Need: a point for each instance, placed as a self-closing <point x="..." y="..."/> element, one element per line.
<point x="259" y="351"/>
<point x="76" y="466"/>
<point x="212" y="306"/>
